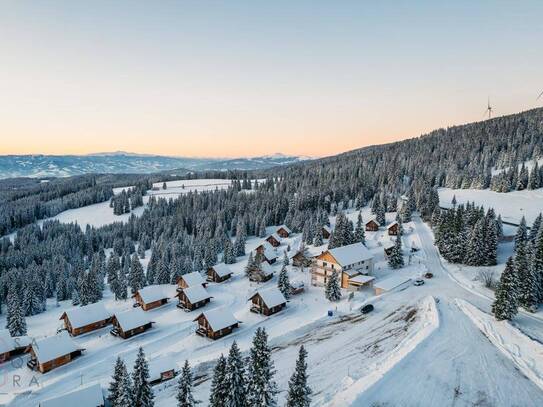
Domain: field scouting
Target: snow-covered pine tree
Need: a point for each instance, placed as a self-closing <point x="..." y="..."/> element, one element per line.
<point x="219" y="389"/>
<point x="534" y="230"/>
<point x="319" y="239"/>
<point x="250" y="265"/>
<point x="395" y="260"/>
<point x="522" y="232"/>
<point x="163" y="272"/>
<point x="116" y="386"/>
<point x="505" y="305"/>
<point x="261" y="388"/>
<point x="142" y="391"/>
<point x="15" y="320"/>
<point x="537" y="262"/>
<point x="137" y="276"/>
<point x="332" y="290"/>
<point x="122" y="287"/>
<point x="235" y="378"/>
<point x="359" y="231"/>
<point x="229" y="256"/>
<point x="299" y="393"/>
<point x="380" y="215"/>
<point x="75" y="297"/>
<point x="286" y="260"/>
<point x="185" y="398"/>
<point x="283" y="282"/>
<point x="528" y="281"/>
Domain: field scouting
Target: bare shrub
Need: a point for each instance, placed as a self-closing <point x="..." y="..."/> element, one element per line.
<point x="487" y="278"/>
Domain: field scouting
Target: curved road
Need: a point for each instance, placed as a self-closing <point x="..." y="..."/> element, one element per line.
<point x="456" y="365"/>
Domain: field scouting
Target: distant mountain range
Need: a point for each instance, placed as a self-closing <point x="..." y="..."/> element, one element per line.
<point x="41" y="166"/>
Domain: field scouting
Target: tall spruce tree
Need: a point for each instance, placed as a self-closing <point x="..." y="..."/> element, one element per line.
<point x="395" y="259"/>
<point x="117" y="385"/>
<point x="528" y="281"/>
<point x="261" y="388"/>
<point x="235" y="379"/>
<point x="505" y="305"/>
<point x="219" y="386"/>
<point x="332" y="290"/>
<point x="283" y="282"/>
<point x="185" y="398"/>
<point x="136" y="276"/>
<point x="142" y="391"/>
<point x="299" y="393"/>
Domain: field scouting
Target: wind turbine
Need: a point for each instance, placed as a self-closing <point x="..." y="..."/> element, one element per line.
<point x="489" y="109"/>
<point x="541" y="94"/>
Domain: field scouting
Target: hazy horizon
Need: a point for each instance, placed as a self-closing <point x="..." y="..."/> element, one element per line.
<point x="245" y="79"/>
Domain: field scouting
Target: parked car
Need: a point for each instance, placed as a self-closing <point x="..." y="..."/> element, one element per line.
<point x="418" y="281"/>
<point x="366" y="309"/>
<point x="428" y="275"/>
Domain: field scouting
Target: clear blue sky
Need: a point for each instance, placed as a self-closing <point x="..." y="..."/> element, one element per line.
<point x="237" y="78"/>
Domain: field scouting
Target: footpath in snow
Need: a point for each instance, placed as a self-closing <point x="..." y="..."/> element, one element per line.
<point x="525" y="353"/>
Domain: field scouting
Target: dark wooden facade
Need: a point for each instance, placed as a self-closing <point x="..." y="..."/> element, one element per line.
<point x="394" y="229"/>
<point x="185" y="303"/>
<point x="51" y="364"/>
<point x="325" y="233"/>
<point x="283" y="232"/>
<point x="204" y="329"/>
<point x="150" y="305"/>
<point x="372" y="226"/>
<point x="213" y="276"/>
<point x="118" y="331"/>
<point x="83" y="329"/>
<point x="260" y="307"/>
<point x="273" y="241"/>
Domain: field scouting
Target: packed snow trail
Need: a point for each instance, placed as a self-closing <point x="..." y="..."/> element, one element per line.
<point x="456" y="365"/>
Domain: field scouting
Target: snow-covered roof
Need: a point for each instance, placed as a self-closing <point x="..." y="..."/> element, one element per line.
<point x="350" y="254"/>
<point x="266" y="268"/>
<point x="372" y="220"/>
<point x="196" y="293"/>
<point x="152" y="293"/>
<point x="361" y="279"/>
<point x="88" y="396"/>
<point x="272" y="297"/>
<point x="275" y="236"/>
<point x="222" y="270"/>
<point x="327" y="228"/>
<point x="52" y="347"/>
<point x="284" y="227"/>
<point x="392" y="224"/>
<point x="219" y="318"/>
<point x="9" y="343"/>
<point x="131" y="319"/>
<point x="159" y="366"/>
<point x="391" y="282"/>
<point x="194" y="278"/>
<point x="86" y="315"/>
<point x="270" y="254"/>
<point x="388" y="245"/>
<point x="266" y="245"/>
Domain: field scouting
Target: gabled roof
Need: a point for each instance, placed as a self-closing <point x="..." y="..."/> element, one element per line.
<point x="270" y="254"/>
<point x="361" y="279"/>
<point x="193" y="278"/>
<point x="327" y="228"/>
<point x="9" y="343"/>
<point x="219" y="318"/>
<point x="391" y="282"/>
<point x="196" y="293"/>
<point x="87" y="314"/>
<point x="52" y="347"/>
<point x="275" y="236"/>
<point x="272" y="297"/>
<point x="159" y="366"/>
<point x="285" y="227"/>
<point x="88" y="396"/>
<point x="266" y="268"/>
<point x="266" y="245"/>
<point x="152" y="293"/>
<point x="350" y="254"/>
<point x="392" y="224"/>
<point x="131" y="319"/>
<point x="222" y="270"/>
<point x="371" y="220"/>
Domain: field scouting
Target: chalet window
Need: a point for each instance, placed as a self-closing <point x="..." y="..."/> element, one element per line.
<point x="324" y="263"/>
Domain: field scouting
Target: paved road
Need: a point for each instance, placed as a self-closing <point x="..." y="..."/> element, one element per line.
<point x="456" y="365"/>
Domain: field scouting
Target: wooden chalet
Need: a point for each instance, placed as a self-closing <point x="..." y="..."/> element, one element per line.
<point x="12" y="346"/>
<point x="261" y="273"/>
<point x="326" y="232"/>
<point x="152" y="296"/>
<point x="87" y="396"/>
<point x="191" y="279"/>
<point x="129" y="323"/>
<point x="51" y="352"/>
<point x="372" y="225"/>
<point x="348" y="261"/>
<point x="274" y="239"/>
<point x="219" y="273"/>
<point x="85" y="319"/>
<point x="393" y="229"/>
<point x="216" y="323"/>
<point x="387" y="248"/>
<point x="161" y="369"/>
<point x="283" y="231"/>
<point x="193" y="297"/>
<point x="268" y="301"/>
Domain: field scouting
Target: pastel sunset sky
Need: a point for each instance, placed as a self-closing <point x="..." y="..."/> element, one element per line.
<point x="246" y="78"/>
